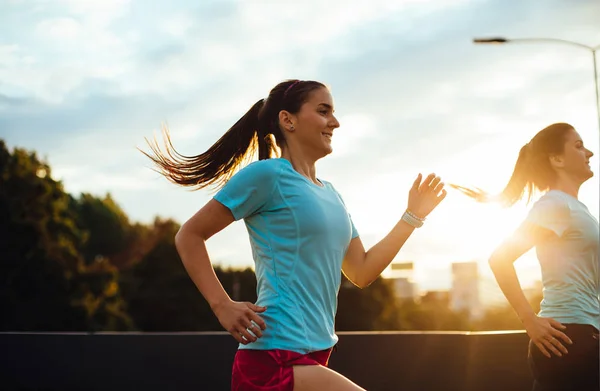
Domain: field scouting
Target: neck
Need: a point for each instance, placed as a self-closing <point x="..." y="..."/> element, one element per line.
<point x="567" y="185"/>
<point x="302" y="163"/>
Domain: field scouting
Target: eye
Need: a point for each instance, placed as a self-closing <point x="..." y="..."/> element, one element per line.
<point x="323" y="112"/>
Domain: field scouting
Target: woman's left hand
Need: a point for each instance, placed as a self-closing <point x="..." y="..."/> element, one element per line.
<point x="425" y="196"/>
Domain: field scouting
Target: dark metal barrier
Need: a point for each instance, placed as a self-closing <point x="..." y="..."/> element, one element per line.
<point x="378" y="361"/>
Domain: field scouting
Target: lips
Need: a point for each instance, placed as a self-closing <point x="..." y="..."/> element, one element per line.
<point x="327" y="135"/>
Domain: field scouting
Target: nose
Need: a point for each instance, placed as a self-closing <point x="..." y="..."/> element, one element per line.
<point x="334" y="122"/>
<point x="590" y="153"/>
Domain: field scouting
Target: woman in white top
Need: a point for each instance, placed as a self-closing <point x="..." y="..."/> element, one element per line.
<point x="563" y="348"/>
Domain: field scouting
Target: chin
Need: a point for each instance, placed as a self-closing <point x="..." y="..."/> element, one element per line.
<point x="327" y="149"/>
<point x="588" y="175"/>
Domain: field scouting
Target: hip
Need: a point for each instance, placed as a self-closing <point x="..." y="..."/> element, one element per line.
<point x="578" y="366"/>
<point x="271" y="370"/>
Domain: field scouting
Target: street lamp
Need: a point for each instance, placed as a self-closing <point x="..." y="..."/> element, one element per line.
<point x="593" y="50"/>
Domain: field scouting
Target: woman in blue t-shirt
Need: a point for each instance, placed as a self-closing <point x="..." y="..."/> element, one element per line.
<point x="563" y="348"/>
<point x="300" y="232"/>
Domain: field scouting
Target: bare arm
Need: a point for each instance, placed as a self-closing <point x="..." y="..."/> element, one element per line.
<point x="502" y="264"/>
<point x="191" y="245"/>
<point x="363" y="267"/>
<point x="543" y="331"/>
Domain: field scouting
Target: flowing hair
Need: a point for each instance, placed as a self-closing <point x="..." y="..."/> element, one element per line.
<point x="257" y="130"/>
<point x="532" y="172"/>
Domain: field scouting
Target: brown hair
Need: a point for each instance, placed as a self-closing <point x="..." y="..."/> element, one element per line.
<point x="252" y="132"/>
<point x="532" y="171"/>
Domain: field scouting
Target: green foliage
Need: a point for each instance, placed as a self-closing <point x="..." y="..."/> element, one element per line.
<point x="431" y="316"/>
<point x="106" y="223"/>
<point x="44" y="282"/>
<point x="38" y="250"/>
<point x="503" y="317"/>
<point x="371" y="308"/>
<point x="161" y="295"/>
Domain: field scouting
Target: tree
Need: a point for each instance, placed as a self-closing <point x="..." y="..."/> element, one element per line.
<point x="38" y="250"/>
<point x="158" y="291"/>
<point x="431" y="315"/>
<point x="44" y="282"/>
<point x="109" y="234"/>
<point x="162" y="297"/>
<point x="504" y="317"/>
<point x="371" y="308"/>
<point x="106" y="224"/>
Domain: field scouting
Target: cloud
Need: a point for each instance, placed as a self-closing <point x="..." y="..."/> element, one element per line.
<point x="59" y="28"/>
<point x="63" y="43"/>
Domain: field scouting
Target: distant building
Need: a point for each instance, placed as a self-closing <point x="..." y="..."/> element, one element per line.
<point x="464" y="294"/>
<point x="404" y="288"/>
<point x="402" y="280"/>
<point x="401" y="267"/>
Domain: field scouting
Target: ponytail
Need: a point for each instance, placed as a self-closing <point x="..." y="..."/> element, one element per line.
<point x="215" y="166"/>
<point x="258" y="130"/>
<point x="532" y="170"/>
<point x="518" y="184"/>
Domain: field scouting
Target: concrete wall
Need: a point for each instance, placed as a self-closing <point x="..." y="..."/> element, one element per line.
<point x="202" y="361"/>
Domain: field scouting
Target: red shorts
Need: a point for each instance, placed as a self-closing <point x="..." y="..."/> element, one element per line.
<point x="270" y="370"/>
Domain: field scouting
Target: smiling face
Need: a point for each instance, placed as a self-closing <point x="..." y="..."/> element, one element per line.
<point x="313" y="124"/>
<point x="574" y="161"/>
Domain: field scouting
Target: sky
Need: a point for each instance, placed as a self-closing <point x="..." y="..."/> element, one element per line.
<point x="84" y="82"/>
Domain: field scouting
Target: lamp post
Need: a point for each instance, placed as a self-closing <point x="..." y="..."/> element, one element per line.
<point x="591" y="49"/>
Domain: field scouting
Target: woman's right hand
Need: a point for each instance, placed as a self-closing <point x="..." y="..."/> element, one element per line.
<point x="240" y="319"/>
<point x="425" y="196"/>
<point x="546" y="335"/>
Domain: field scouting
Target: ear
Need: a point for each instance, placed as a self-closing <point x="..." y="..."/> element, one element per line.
<point x="287" y="120"/>
<point x="557" y="161"/>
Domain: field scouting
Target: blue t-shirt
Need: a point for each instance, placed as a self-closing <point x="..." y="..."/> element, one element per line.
<point x="569" y="261"/>
<point x="299" y="234"/>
